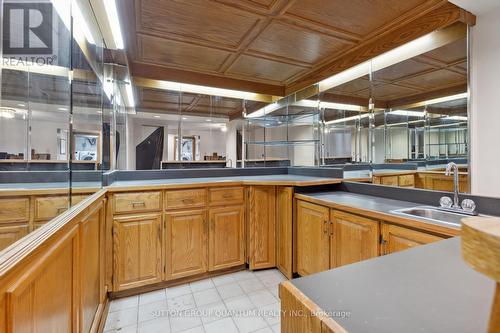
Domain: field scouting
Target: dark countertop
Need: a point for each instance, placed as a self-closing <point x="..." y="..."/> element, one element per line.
<point x="370" y="203"/>
<point x="425" y="289"/>
<point x="268" y="178"/>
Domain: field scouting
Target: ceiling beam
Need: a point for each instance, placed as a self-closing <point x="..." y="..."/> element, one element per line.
<point x="153" y="72"/>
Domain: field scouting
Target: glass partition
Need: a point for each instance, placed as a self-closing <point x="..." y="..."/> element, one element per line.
<point x="56" y="123"/>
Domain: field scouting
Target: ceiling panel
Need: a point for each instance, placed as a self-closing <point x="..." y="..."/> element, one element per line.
<point x="179" y="54"/>
<point x="198" y="19"/>
<point x="436" y="79"/>
<point x="264" y="68"/>
<point x="355" y="16"/>
<point x="292" y="42"/>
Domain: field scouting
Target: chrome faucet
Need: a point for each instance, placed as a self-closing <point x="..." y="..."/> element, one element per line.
<point x="449" y="167"/>
<point x="467" y="207"/>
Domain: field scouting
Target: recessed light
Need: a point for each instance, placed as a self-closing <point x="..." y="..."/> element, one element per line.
<point x="62" y="109"/>
<point x="21" y="105"/>
<point x="209" y="119"/>
<point x="156" y="116"/>
<point x="184" y="118"/>
<point x="99" y="112"/>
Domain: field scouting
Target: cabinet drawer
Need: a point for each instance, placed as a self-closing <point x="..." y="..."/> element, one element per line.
<point x="14" y="210"/>
<point x="46" y="208"/>
<point x="137" y="202"/>
<point x="225" y="195"/>
<point x="407" y="181"/>
<point x="176" y="199"/>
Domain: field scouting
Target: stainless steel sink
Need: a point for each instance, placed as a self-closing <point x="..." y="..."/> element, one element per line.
<point x="432" y="214"/>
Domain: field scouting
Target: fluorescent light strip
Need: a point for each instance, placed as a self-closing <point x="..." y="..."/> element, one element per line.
<point x="265" y="110"/>
<point x="329" y="105"/>
<point x="81" y="27"/>
<point x="114" y="22"/>
<point x="130" y="95"/>
<point x="343" y="120"/>
<point x="462" y="118"/>
<point x="407" y="113"/>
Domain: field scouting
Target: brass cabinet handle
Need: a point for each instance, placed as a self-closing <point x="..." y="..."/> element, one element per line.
<point x="331" y="228"/>
<point x="187" y="200"/>
<point x="61" y="209"/>
<point x="227" y="195"/>
<point x="383" y="243"/>
<point x="138" y="204"/>
<point x="325" y="228"/>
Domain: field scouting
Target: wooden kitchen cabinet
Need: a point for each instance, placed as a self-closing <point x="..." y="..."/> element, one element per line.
<point x="262" y="226"/>
<point x="396" y="238"/>
<point x="354" y="238"/>
<point x="186" y="243"/>
<point x="312" y="238"/>
<point x="226" y="245"/>
<point x="284" y="233"/>
<point x="137" y="251"/>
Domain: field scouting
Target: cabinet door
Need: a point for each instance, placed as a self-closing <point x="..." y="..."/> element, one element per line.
<point x="137" y="251"/>
<point x="226" y="237"/>
<point x="9" y="235"/>
<point x="262" y="227"/>
<point x="186" y="243"/>
<point x="313" y="238"/>
<point x="284" y="211"/>
<point x="354" y="238"/>
<point x="395" y="238"/>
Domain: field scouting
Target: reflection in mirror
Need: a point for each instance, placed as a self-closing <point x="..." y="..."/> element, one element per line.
<point x="424" y="124"/>
<point x="50" y="123"/>
<point x="284" y="133"/>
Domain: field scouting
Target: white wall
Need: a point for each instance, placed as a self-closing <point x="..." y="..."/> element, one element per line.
<point x="485" y="113"/>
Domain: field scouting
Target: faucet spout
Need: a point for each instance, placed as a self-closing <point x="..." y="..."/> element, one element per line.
<point x="452" y="167"/>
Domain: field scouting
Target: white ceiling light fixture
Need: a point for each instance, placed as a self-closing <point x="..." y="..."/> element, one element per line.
<point x="156" y="116"/>
<point x="62" y="109"/>
<point x="114" y="22"/>
<point x="223" y="128"/>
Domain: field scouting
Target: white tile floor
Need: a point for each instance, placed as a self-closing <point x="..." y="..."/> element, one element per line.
<point x="241" y="302"/>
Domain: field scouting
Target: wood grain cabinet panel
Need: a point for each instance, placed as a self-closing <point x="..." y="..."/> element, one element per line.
<point x="225" y="195"/>
<point x="13" y="210"/>
<point x="389" y="180"/>
<point x="226" y="247"/>
<point x="186" y="243"/>
<point x="407" y="181"/>
<point x="313" y="238"/>
<point x="396" y="238"/>
<point x="262" y="227"/>
<point x="92" y="267"/>
<point x="284" y="221"/>
<point x="46" y="208"/>
<point x="137" y="251"/>
<point x="185" y="199"/>
<point x="11" y="234"/>
<point x="354" y="238"/>
<point x="135" y="202"/>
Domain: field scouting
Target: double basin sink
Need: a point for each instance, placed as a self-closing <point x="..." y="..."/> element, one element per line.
<point x="433" y="214"/>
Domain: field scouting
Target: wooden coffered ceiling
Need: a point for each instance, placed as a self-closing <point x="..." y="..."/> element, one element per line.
<point x="270" y="46"/>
